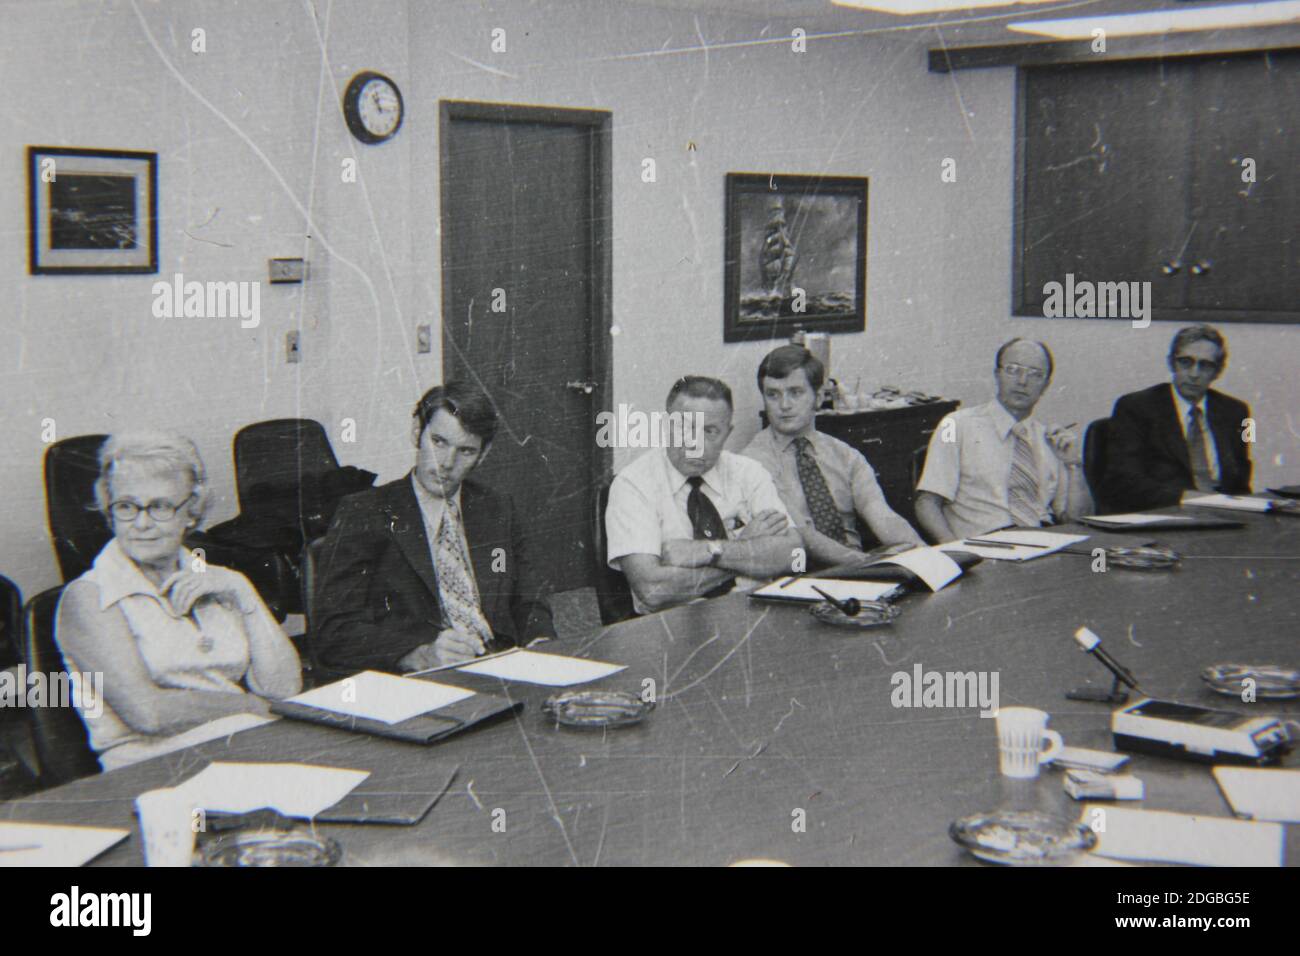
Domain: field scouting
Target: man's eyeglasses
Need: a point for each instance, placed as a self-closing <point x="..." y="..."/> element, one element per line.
<point x="1187" y="363"/>
<point x="126" y="510"/>
<point x="1029" y="374"/>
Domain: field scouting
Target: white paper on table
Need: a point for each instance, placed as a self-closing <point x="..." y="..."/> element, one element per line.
<point x="383" y="697"/>
<point x="931" y="565"/>
<point x="49" y="844"/>
<point x="1261" y="793"/>
<point x="1231" y="502"/>
<point x="1164" y="837"/>
<point x="802" y="589"/>
<point x="1137" y="519"/>
<point x="1042" y="543"/>
<point x="294" y="789"/>
<point x="553" y="670"/>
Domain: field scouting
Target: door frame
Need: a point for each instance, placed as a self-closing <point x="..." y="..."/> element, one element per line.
<point x="600" y="254"/>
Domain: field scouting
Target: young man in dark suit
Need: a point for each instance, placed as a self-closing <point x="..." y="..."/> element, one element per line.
<point x="1179" y="437"/>
<point x="430" y="569"/>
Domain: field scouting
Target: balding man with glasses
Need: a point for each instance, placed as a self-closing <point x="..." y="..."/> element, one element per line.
<point x="994" y="466"/>
<point x="1179" y="437"/>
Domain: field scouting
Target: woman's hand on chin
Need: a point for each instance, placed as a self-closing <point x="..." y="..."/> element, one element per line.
<point x="187" y="587"/>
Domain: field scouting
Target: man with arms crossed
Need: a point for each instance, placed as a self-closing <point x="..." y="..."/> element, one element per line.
<point x="1179" y="437"/>
<point x="685" y="521"/>
<point x="993" y="465"/>
<point x="824" y="483"/>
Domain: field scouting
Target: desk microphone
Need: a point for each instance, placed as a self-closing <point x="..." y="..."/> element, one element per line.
<point x="1091" y="643"/>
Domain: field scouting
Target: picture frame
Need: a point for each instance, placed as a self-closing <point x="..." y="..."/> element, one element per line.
<point x="92" y="211"/>
<point x="796" y="255"/>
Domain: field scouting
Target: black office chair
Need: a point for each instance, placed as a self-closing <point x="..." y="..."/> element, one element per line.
<point x="11" y="623"/>
<point x="80" y="532"/>
<point x="613" y="593"/>
<point x="1096" y="440"/>
<point x="77" y="528"/>
<point x="918" y="466"/>
<point x="62" y="748"/>
<point x="310" y="569"/>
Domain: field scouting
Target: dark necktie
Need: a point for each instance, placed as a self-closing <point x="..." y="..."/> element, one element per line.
<point x="1196" y="451"/>
<point x="826" y="517"/>
<point x="706" y="524"/>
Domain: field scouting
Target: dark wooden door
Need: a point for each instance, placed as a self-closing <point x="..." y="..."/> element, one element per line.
<point x="1246" y="253"/>
<point x="525" y="272"/>
<point x="1103" y="177"/>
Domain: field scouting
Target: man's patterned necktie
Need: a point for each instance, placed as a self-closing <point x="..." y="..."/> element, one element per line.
<point x="706" y="524"/>
<point x="826" y="517"/>
<point x="456" y="590"/>
<point x="1196" y="451"/>
<point x="1022" y="485"/>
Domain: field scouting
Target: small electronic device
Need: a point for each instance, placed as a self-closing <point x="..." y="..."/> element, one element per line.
<point x="1081" y="758"/>
<point x="1186" y="732"/>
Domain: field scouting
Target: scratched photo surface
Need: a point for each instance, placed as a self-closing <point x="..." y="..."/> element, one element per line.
<point x="524" y="224"/>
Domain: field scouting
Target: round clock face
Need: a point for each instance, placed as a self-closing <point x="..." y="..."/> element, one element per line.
<point x="372" y="106"/>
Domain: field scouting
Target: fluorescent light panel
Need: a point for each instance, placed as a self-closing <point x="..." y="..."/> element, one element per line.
<point x="904" y="8"/>
<point x="1166" y="21"/>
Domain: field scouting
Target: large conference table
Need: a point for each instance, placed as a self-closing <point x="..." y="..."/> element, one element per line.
<point x="764" y="712"/>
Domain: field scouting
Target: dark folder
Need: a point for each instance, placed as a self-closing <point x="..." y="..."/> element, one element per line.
<point x="420" y="729"/>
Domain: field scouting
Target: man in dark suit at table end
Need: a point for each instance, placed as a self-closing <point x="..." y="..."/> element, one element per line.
<point x="430" y="569"/>
<point x="1181" y="436"/>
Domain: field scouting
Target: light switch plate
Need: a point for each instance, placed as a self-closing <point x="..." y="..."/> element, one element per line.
<point x="423" y="339"/>
<point x="292" y="353"/>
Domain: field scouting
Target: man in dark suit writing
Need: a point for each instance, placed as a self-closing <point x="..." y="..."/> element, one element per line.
<point x="1179" y="437"/>
<point x="430" y="569"/>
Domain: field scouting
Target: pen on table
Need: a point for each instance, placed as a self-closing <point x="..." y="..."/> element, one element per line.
<point x="786" y="584"/>
<point x="15" y="849"/>
<point x="447" y="667"/>
<point x="1003" y="544"/>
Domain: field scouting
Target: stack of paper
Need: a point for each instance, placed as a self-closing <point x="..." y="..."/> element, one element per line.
<point x="45" y="844"/>
<point x="931" y="565"/>
<point x="801" y="589"/>
<point x="1163" y="837"/>
<point x="1261" y="793"/>
<point x="553" y="670"/>
<point x="293" y="789"/>
<point x="383" y="697"/>
<point x="1231" y="502"/>
<point x="1122" y="521"/>
<point x="1015" y="545"/>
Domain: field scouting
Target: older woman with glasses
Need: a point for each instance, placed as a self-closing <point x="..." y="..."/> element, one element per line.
<point x="187" y="650"/>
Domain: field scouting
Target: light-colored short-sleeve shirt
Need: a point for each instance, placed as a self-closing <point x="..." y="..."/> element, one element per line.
<point x="849" y="477"/>
<point x="647" y="502"/>
<point x="205" y="650"/>
<point x="972" y="471"/>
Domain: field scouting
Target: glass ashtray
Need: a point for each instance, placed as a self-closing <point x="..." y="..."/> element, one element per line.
<point x="1152" y="558"/>
<point x="597" y="708"/>
<point x="870" y="614"/>
<point x="1272" y="681"/>
<point x="297" y="847"/>
<point x="1022" y="837"/>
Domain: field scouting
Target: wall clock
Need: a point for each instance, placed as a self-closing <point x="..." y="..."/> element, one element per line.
<point x="372" y="106"/>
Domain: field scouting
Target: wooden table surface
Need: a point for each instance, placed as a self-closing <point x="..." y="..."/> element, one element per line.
<point x="763" y="712"/>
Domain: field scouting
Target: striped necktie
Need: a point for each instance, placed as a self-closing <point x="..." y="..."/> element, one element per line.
<point x="1022" y="485"/>
<point x="456" y="589"/>
<point x="1196" y="451"/>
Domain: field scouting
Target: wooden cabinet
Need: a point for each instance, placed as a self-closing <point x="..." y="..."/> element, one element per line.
<point x="889" y="439"/>
<point x="1133" y="172"/>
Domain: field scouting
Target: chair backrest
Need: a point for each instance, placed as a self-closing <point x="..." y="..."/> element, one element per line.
<point x="62" y="748"/>
<point x="1095" y="442"/>
<point x="279" y="452"/>
<point x="11" y="623"/>
<point x="308" y="572"/>
<point x="78" y="530"/>
<point x="613" y="593"/>
<point x="918" y="465"/>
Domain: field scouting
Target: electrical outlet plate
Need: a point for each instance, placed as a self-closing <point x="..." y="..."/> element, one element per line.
<point x="292" y="352"/>
<point x="287" y="270"/>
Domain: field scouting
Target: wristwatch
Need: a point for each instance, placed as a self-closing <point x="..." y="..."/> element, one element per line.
<point x="715" y="552"/>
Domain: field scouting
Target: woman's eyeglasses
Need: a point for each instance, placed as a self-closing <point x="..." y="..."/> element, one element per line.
<point x="127" y="510"/>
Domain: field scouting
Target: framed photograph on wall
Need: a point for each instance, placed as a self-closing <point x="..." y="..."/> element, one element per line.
<point x="92" y="211"/>
<point x="796" y="255"/>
